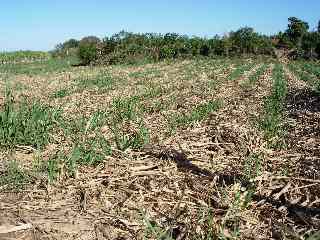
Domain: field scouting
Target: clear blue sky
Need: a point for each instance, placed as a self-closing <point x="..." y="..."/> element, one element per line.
<point x="41" y="24"/>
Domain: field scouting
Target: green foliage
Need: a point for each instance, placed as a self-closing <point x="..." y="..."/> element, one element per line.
<point x="52" y="169"/>
<point x="153" y="231"/>
<point x="126" y="124"/>
<point x="134" y="140"/>
<point x="197" y="114"/>
<point x="304" y="44"/>
<point x="61" y="93"/>
<point x="35" y="68"/>
<point x="87" y="53"/>
<point x="296" y="30"/>
<point x="89" y="146"/>
<point x="66" y="49"/>
<point x="304" y="72"/>
<point x="274" y="106"/>
<point x="25" y="124"/>
<point x="103" y="81"/>
<point x="130" y="48"/>
<point x="254" y="77"/>
<point x="88" y="49"/>
<point x="315" y="236"/>
<point x="14" y="177"/>
<point x="23" y="56"/>
<point x="252" y="166"/>
<point x="245" y="40"/>
<point x="309" y="73"/>
<point x="90" y="151"/>
<point x="282" y="40"/>
<point x="310" y="42"/>
<point x="239" y="71"/>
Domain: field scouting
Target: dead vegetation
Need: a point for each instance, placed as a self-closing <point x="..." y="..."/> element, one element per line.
<point x="212" y="176"/>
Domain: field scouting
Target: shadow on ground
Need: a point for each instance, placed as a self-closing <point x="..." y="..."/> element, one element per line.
<point x="303" y="100"/>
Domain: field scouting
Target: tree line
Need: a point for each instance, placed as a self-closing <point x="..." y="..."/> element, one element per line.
<point x="127" y="47"/>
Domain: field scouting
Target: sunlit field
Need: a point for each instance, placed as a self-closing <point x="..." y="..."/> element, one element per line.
<point x="206" y="148"/>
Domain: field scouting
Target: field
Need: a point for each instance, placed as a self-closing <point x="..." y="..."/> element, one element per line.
<point x="193" y="149"/>
<point x="23" y="57"/>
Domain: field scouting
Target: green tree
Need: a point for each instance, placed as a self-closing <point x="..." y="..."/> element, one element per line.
<point x="88" y="49"/>
<point x="245" y="40"/>
<point x="296" y="30"/>
<point x="309" y="43"/>
<point x="71" y="43"/>
<point x="90" y="40"/>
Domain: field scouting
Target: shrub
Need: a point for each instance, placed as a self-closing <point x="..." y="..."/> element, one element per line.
<point x="87" y="53"/>
<point x="131" y="48"/>
<point x="88" y="49"/>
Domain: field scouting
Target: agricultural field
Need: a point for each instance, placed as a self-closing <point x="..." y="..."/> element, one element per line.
<point x="186" y="149"/>
<point x="23" y="57"/>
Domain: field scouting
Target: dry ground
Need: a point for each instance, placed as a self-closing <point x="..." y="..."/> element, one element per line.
<point x="205" y="170"/>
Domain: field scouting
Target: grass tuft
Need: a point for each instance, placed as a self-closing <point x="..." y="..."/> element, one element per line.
<point x="25" y="124"/>
<point x="14" y="177"/>
<point x="198" y="113"/>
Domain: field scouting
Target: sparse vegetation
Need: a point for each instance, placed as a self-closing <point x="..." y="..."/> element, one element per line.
<point x="14" y="177"/>
<point x="254" y="77"/>
<point x="23" y="56"/>
<point x="167" y="146"/>
<point x="272" y="123"/>
<point x="198" y="113"/>
<point x="239" y="70"/>
<point x="102" y="81"/>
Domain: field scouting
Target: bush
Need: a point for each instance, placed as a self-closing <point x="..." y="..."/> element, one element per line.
<point x="130" y="48"/>
<point x="88" y="49"/>
<point x="87" y="53"/>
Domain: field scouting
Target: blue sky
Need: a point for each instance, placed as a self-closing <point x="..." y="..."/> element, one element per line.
<point x="41" y="24"/>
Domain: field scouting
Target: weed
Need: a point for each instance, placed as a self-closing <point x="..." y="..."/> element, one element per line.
<point x="153" y="231"/>
<point x="15" y="177"/>
<point x="198" y="113"/>
<point x="52" y="169"/>
<point x="307" y="73"/>
<point x="206" y="221"/>
<point x="20" y="86"/>
<point x="61" y="93"/>
<point x="239" y="71"/>
<point x="315" y="236"/>
<point x="36" y="68"/>
<point x="212" y="84"/>
<point x="92" y="151"/>
<point x="103" y="81"/>
<point x="274" y="104"/>
<point x="152" y="91"/>
<point x="135" y="140"/>
<point x="123" y="109"/>
<point x="26" y="124"/>
<point x="301" y="74"/>
<point x="252" y="166"/>
<point x="155" y="107"/>
<point x="254" y="77"/>
<point x="145" y="74"/>
<point x="126" y="124"/>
